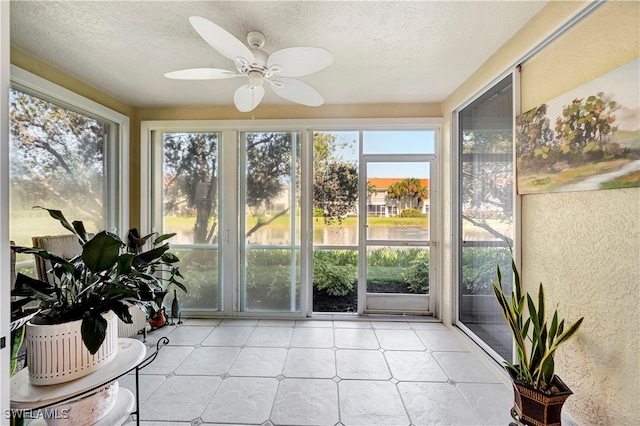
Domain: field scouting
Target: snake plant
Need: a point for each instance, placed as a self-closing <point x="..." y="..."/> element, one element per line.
<point x="536" y="339"/>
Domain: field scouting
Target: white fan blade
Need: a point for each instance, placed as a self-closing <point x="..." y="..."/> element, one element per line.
<point x="201" y="74"/>
<point x="221" y="40"/>
<point x="297" y="91"/>
<point x="247" y="98"/>
<point x="299" y="61"/>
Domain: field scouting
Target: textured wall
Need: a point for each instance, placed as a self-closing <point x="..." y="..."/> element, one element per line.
<point x="584" y="246"/>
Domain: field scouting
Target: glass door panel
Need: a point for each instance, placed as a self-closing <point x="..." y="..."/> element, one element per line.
<point x="190" y="202"/>
<point x="270" y="222"/>
<point x="486" y="213"/>
<point x="397" y="235"/>
<point x="335" y="221"/>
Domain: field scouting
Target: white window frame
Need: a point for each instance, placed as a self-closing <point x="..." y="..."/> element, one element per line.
<point x="230" y="131"/>
<point x="116" y="208"/>
<point x="5" y="352"/>
<point x="417" y="304"/>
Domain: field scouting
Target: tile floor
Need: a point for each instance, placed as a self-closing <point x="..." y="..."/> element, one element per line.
<point x="316" y="372"/>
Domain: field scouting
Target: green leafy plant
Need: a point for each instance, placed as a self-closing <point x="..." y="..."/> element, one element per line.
<point x="334" y="280"/>
<point x="383" y="257"/>
<point x="280" y="285"/>
<point x="536" y="339"/>
<point x="413" y="212"/>
<point x="101" y="278"/>
<point x="417" y="277"/>
<point x="478" y="268"/>
<point x="336" y="257"/>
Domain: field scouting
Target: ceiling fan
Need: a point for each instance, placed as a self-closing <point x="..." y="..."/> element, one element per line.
<point x="275" y="69"/>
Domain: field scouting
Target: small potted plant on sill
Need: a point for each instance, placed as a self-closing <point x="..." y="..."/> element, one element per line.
<point x="538" y="393"/>
<point x="88" y="293"/>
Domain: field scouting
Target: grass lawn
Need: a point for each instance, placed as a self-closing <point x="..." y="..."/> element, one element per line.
<point x="180" y="223"/>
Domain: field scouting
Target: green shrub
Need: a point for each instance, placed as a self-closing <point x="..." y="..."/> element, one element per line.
<point x="333" y="279"/>
<point x="336" y="257"/>
<point x="479" y="267"/>
<point x="280" y="283"/>
<point x="412" y="213"/>
<point x="382" y="257"/>
<point x="408" y="256"/>
<point x="417" y="277"/>
<point x="269" y="257"/>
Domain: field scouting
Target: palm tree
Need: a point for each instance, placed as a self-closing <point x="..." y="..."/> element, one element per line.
<point x="423" y="195"/>
<point x="411" y="187"/>
<point x="394" y="192"/>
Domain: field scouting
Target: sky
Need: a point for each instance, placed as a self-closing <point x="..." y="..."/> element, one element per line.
<point x="390" y="142"/>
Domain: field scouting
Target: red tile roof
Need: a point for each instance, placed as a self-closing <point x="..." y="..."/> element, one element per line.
<point x="384" y="183"/>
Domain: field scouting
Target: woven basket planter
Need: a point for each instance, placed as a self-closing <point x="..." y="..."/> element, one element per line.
<point x="57" y="354"/>
<point x="538" y="409"/>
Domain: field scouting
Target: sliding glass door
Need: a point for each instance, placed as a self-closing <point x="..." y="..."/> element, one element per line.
<point x="190" y="200"/>
<point x="270" y="222"/>
<point x="336" y="156"/>
<point x="486" y="213"/>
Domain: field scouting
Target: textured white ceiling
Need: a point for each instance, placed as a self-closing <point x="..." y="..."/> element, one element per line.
<point x="384" y="51"/>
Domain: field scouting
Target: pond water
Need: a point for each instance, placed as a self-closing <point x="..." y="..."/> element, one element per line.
<point x="347" y="235"/>
<point x="340" y="236"/>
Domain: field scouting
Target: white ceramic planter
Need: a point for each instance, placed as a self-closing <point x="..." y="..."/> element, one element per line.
<point x="57" y="354"/>
<point x="87" y="410"/>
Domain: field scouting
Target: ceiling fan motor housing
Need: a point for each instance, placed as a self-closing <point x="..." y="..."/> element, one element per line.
<point x="259" y="63"/>
<point x="255" y="39"/>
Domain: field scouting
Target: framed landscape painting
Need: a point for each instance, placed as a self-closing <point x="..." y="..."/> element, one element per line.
<point x="586" y="139"/>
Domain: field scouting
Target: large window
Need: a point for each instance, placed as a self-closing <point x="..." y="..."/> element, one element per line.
<point x="335" y="221"/>
<point x="65" y="153"/>
<point x="190" y="209"/>
<point x="270" y="222"/>
<point x="485" y="212"/>
<point x="270" y="216"/>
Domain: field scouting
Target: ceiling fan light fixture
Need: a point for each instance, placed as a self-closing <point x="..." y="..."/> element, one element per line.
<point x="255" y="78"/>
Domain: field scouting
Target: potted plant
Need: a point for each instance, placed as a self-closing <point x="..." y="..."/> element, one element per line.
<point x="155" y="311"/>
<point x="538" y="392"/>
<point x="87" y="295"/>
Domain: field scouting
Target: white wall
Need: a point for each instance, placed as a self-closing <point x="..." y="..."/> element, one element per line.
<point x="584" y="246"/>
